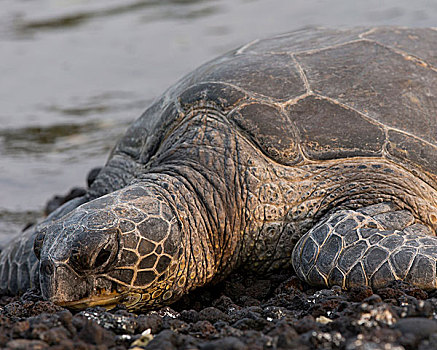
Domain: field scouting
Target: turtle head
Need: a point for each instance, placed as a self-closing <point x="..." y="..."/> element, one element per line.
<point x="122" y="248"/>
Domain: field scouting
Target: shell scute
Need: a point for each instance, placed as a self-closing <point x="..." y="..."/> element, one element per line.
<point x="377" y="82"/>
<point x="270" y="129"/>
<point x="414" y="151"/>
<point x="321" y="128"/>
<point x="273" y="76"/>
<point x="420" y="42"/>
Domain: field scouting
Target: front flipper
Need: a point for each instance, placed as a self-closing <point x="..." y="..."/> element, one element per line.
<point x="19" y="266"/>
<point x="369" y="246"/>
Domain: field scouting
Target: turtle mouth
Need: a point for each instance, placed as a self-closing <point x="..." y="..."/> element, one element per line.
<point x="109" y="301"/>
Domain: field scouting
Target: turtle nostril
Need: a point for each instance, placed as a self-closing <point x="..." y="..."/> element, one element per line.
<point x="47" y="267"/>
<point x="102" y="258"/>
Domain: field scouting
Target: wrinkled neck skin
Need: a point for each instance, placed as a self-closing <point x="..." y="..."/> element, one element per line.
<point x="200" y="164"/>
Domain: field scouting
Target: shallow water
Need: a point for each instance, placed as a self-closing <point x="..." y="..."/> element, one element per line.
<point x="75" y="73"/>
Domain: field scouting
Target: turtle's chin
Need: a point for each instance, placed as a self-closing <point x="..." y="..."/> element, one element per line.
<point x="109" y="301"/>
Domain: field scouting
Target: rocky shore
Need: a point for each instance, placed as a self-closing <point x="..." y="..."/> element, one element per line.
<point x="240" y="313"/>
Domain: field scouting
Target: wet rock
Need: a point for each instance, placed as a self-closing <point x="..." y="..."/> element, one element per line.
<point x="166" y="311"/>
<point x="228" y="343"/>
<point x="151" y="321"/>
<point x="429" y="344"/>
<point x="411" y="307"/>
<point x="373" y="300"/>
<point x="325" y="305"/>
<point x="301" y="303"/>
<point x="20" y="329"/>
<point x="225" y="304"/>
<point x="120" y="322"/>
<point x="271" y="313"/>
<point x="290" y="315"/>
<point x="93" y="333"/>
<point x="250" y="323"/>
<point x="306" y="324"/>
<point x="142" y="341"/>
<point x="165" y="340"/>
<point x="203" y="329"/>
<point x="55" y="335"/>
<point x="396" y="289"/>
<point x="359" y="293"/>
<point x="170" y="340"/>
<point x="213" y="315"/>
<point x="189" y="316"/>
<point x="285" y="335"/>
<point x="420" y="327"/>
<point x="25" y="344"/>
<point x="376" y="316"/>
<point x="176" y="325"/>
<point x="24" y="308"/>
<point x="324" y="340"/>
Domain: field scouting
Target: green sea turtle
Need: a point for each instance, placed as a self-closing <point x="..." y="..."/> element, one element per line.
<point x="316" y="149"/>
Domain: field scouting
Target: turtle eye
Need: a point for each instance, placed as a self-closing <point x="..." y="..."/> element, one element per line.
<point x="94" y="253"/>
<point x="102" y="258"/>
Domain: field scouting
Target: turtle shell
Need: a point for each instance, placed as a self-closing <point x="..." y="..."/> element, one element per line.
<point x="315" y="94"/>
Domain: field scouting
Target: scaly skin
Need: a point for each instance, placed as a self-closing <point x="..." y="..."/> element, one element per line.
<point x="369" y="246"/>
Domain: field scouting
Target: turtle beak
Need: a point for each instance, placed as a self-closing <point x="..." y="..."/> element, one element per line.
<point x="63" y="286"/>
<point x="59" y="283"/>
